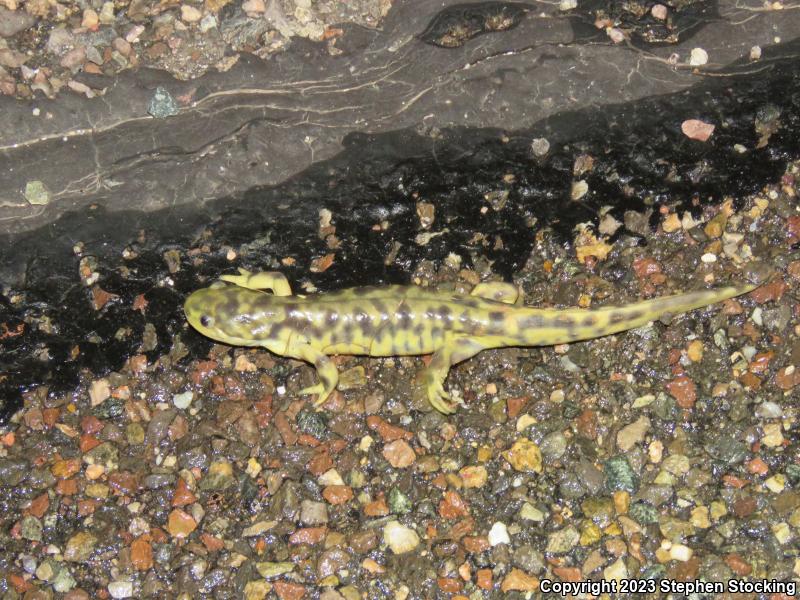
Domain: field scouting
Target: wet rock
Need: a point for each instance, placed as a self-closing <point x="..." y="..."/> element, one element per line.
<point x="599" y="510"/>
<point x="219" y="476"/>
<point x="657" y="495"/>
<point x="554" y="445"/>
<point x="727" y="449"/>
<point x="399" y="454"/>
<point x="563" y="540"/>
<point x="31" y="529"/>
<point x="674" y="529"/>
<point x="180" y="524"/>
<point x="363" y="541"/>
<point x="12" y="471"/>
<point x="313" y="513"/>
<point x="183" y="400"/>
<point x="80" y="547"/>
<point x="399" y="538"/>
<point x="162" y="104"/>
<point x="155" y="481"/>
<point x="498" y="534"/>
<point x="570" y="485"/>
<point x="134" y="434"/>
<point x="63" y="582"/>
<point x="313" y="422"/>
<point x="527" y="558"/>
<point x="331" y="561"/>
<point x="524" y="455"/>
<point x="286" y="502"/>
<point x="643" y="513"/>
<point x="14" y="21"/>
<point x="620" y="475"/>
<point x="633" y="434"/>
<point x="159" y="425"/>
<point x="120" y="589"/>
<point x="399" y="503"/>
<point x="105" y="455"/>
<point x="592" y="478"/>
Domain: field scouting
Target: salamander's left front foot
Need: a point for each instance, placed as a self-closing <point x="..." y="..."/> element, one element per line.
<point x="319" y="389"/>
<point x="438" y="397"/>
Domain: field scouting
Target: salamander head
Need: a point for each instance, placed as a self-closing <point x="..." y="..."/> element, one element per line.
<point x="229" y="314"/>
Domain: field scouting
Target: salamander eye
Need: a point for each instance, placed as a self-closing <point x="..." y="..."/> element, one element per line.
<point x="206" y="321"/>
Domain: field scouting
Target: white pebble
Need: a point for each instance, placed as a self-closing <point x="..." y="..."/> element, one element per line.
<point x="183" y="400"/>
<point x="330" y="477"/>
<point x="540" y="147"/>
<point x="698" y="57"/>
<point x="399" y="538"/>
<point x="776" y="483"/>
<point x="769" y="410"/>
<point x="709" y="257"/>
<point x="120" y="589"/>
<point x="498" y="534"/>
<point x="680" y="552"/>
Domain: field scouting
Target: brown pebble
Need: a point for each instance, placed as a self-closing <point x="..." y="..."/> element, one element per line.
<point x="738" y="565"/>
<point x="744" y="506"/>
<point x="289" y="591"/>
<point x="338" y="494"/>
<point x="182" y="494"/>
<point x="399" y="454"/>
<point x="180" y="524"/>
<point x="363" y="541"/>
<point x="308" y="535"/>
<point x="141" y="554"/>
<point x="683" y="390"/>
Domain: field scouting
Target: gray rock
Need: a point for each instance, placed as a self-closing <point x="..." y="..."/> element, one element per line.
<point x="14" y="21"/>
<point x="12" y="471"/>
<point x="313" y="513"/>
<point x="528" y="559"/>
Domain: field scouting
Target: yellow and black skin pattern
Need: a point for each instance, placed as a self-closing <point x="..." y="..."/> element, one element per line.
<point x="405" y="321"/>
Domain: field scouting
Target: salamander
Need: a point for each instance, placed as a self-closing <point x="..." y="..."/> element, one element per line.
<point x="400" y="320"/>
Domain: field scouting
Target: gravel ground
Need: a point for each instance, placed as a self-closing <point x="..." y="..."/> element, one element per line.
<point x="47" y="45"/>
<point x="666" y="454"/>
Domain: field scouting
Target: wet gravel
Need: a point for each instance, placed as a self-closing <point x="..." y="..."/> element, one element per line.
<point x="48" y="46"/>
<point x="666" y="453"/>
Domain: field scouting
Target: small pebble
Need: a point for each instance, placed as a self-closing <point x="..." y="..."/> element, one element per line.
<point x="659" y="11"/>
<point x="776" y="483"/>
<point x="540" y="147"/>
<point x="183" y="400"/>
<point x="680" y="552"/>
<point x="399" y="538"/>
<point x="498" y="534"/>
<point x="120" y="589"/>
<point x="189" y="14"/>
<point x="709" y="258"/>
<point x="698" y="57"/>
<point x="773" y="435"/>
<point x="330" y="477"/>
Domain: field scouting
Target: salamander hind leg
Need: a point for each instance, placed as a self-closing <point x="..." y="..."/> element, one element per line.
<point x="451" y="353"/>
<point x="326" y="371"/>
<point x="266" y="280"/>
<point x="498" y="291"/>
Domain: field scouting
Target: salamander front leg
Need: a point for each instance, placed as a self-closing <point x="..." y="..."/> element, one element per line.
<point x="326" y="371"/>
<point x="452" y="352"/>
<point x="266" y="280"/>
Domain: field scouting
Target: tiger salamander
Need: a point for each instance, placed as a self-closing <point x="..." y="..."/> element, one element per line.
<point x="406" y="320"/>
